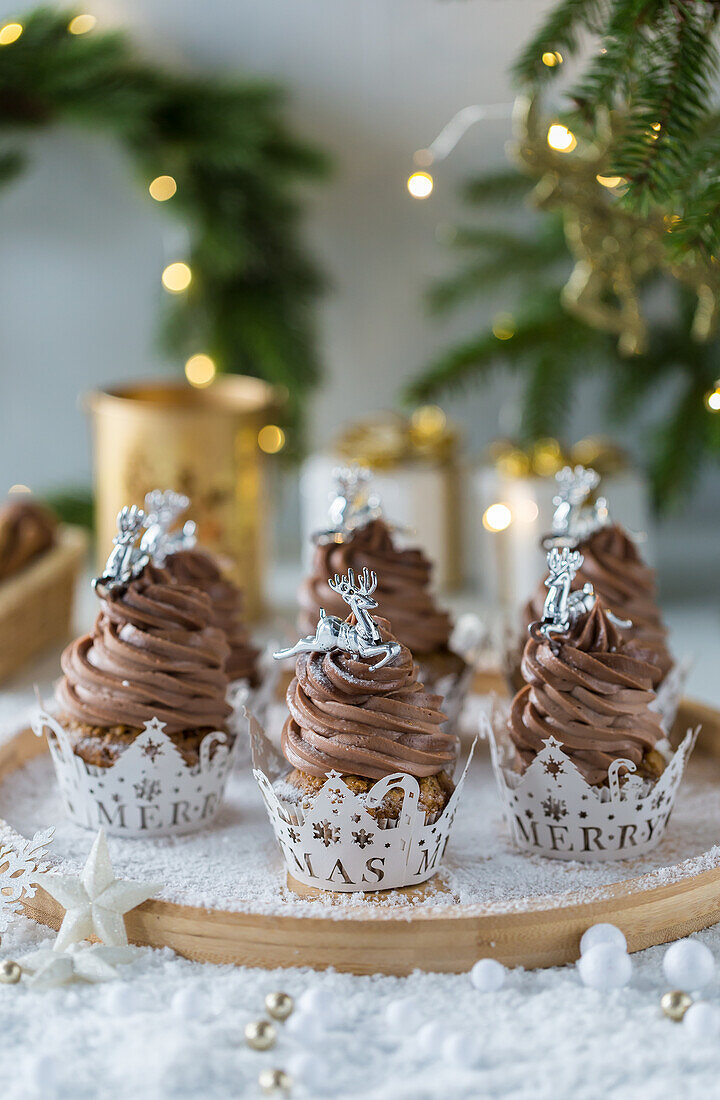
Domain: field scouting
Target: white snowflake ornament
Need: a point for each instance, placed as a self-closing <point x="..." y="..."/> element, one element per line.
<point x="95" y="903"/>
<point x="80" y="963"/>
<point x="20" y="869"/>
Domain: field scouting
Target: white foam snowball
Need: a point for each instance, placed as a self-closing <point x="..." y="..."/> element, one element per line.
<point x="430" y="1037"/>
<point x="688" y="965"/>
<point x="463" y="1049"/>
<point x="602" y="933"/>
<point x="403" y="1014"/>
<point x="315" y="999"/>
<point x="488" y="975"/>
<point x="604" y="967"/>
<point x="184" y="1003"/>
<point x="702" y="1022"/>
<point x="306" y="1026"/>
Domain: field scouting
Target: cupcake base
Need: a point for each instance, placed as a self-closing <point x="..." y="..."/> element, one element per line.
<point x="435" y="791"/>
<point x="103" y="746"/>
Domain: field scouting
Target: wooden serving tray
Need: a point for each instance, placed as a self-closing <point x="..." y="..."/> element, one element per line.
<point x="371" y="939"/>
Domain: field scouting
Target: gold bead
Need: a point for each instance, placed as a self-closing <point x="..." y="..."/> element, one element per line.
<point x="260" y="1034"/>
<point x="675" y="1004"/>
<point x="279" y="1005"/>
<point x="274" y="1080"/>
<point x="9" y="972"/>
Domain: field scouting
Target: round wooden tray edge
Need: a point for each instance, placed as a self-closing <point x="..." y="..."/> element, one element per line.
<point x="532" y="937"/>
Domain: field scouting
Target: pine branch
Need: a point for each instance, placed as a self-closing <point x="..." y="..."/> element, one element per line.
<point x="561" y="30"/>
<point x="497" y="188"/>
<point x="548" y="396"/>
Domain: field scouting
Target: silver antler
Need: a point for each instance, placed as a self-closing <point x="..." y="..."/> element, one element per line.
<point x="163" y="509"/>
<point x="352" y="506"/>
<point x="126" y="560"/>
<point x="361" y="638"/>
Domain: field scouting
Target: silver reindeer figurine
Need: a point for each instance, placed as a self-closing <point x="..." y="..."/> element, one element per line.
<point x="562" y="606"/>
<point x="353" y="506"/>
<point x="126" y="558"/>
<point x="162" y="510"/>
<point x="573" y="519"/>
<point x="363" y="639"/>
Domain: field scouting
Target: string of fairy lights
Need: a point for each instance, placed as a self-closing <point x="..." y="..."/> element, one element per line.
<point x="176" y="277"/>
<point x="421" y="184"/>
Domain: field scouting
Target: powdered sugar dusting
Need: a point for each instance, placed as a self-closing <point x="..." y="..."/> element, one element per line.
<point x="235" y="865"/>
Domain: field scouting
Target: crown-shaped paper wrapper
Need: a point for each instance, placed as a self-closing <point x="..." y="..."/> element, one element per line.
<point x="335" y="844"/>
<point x="552" y="811"/>
<point x="150" y="790"/>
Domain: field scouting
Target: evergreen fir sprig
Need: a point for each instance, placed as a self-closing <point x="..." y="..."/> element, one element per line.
<point x="552" y="353"/>
<point x="654" y="63"/>
<point x="237" y="167"/>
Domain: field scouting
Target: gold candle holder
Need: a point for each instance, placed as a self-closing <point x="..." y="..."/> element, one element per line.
<point x="201" y="442"/>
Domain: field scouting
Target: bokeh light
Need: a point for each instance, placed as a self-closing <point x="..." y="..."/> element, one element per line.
<point x="271" y="439"/>
<point x="200" y="370"/>
<point x="497" y="517"/>
<point x="162" y="188"/>
<point x="420" y="185"/>
<point x="176" y="277"/>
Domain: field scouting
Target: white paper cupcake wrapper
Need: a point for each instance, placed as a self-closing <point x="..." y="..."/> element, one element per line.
<point x="150" y="790"/>
<point x="333" y="843"/>
<point x="552" y="811"/>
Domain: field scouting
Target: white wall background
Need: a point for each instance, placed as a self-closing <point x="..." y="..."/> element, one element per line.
<point x="83" y="245"/>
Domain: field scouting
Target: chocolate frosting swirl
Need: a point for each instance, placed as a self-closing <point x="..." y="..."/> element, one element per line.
<point x="403" y="592"/>
<point x="27" y="530"/>
<point x="347" y="717"/>
<point x="587" y="690"/>
<point x="197" y="569"/>
<point x="153" y="653"/>
<point x="626" y="586"/>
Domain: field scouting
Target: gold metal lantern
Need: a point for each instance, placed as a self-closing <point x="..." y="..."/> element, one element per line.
<point x="201" y="442"/>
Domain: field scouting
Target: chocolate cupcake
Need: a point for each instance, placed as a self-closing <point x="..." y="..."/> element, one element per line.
<point x="361" y="539"/>
<point x="585" y="686"/>
<point x="357" y="707"/>
<point x="154" y="653"/>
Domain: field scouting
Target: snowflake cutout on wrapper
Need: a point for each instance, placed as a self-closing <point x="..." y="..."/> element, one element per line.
<point x="151" y="748"/>
<point x="362" y="838"/>
<point x="325" y="832"/>
<point x="147" y="789"/>
<point x="19" y="864"/>
<point x="554" y="807"/>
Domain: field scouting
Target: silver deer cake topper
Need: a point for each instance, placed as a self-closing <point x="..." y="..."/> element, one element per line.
<point x="353" y="505"/>
<point x="574" y="519"/>
<point x="563" y="607"/>
<point x="162" y="510"/>
<point x="363" y="639"/>
<point x="126" y="559"/>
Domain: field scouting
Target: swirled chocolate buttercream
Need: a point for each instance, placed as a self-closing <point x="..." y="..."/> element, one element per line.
<point x="346" y="716"/>
<point x="403" y="593"/>
<point x="154" y="652"/>
<point x="197" y="569"/>
<point x="626" y="586"/>
<point x="588" y="690"/>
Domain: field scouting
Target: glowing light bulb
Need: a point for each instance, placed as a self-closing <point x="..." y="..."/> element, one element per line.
<point x="560" y="138"/>
<point x="271" y="439"/>
<point x="19" y="488"/>
<point x="10" y="33"/>
<point x="610" y="181"/>
<point x="162" y="188"/>
<point x="551" y="58"/>
<point x="200" y="370"/>
<point x="176" y="277"/>
<point x="712" y="399"/>
<point x="420" y="185"/>
<point x="428" y="421"/>
<point x="81" y="24"/>
<point x="503" y="327"/>
<point x="497" y="517"/>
